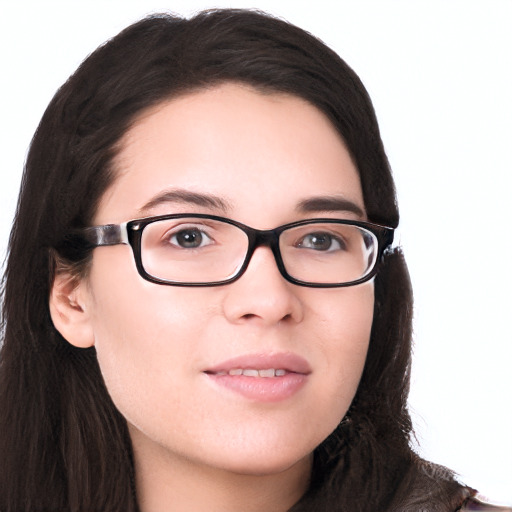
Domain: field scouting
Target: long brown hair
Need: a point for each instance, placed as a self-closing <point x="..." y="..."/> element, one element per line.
<point x="63" y="444"/>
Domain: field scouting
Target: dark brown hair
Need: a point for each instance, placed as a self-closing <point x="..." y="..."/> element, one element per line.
<point x="63" y="444"/>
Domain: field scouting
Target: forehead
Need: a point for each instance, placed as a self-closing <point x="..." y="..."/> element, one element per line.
<point x="257" y="152"/>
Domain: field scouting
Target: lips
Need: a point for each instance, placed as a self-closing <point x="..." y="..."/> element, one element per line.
<point x="262" y="377"/>
<point x="291" y="363"/>
<point x="253" y="372"/>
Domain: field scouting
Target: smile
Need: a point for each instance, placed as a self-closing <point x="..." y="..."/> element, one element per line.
<point x="261" y="377"/>
<point x="252" y="372"/>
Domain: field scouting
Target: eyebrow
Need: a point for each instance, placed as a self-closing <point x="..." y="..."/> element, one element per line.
<point x="308" y="205"/>
<point x="329" y="204"/>
<point x="187" y="197"/>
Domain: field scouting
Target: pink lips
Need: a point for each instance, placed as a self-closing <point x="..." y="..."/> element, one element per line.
<point x="262" y="377"/>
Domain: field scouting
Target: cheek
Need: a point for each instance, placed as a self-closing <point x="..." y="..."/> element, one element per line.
<point x="345" y="319"/>
<point x="345" y="322"/>
<point x="139" y="325"/>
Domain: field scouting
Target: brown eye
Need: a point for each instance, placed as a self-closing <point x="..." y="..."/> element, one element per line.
<point x="190" y="238"/>
<point x="321" y="242"/>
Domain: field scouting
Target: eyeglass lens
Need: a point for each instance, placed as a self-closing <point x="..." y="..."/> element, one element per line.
<point x="203" y="250"/>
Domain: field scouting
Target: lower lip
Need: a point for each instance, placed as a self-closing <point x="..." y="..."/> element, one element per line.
<point x="262" y="389"/>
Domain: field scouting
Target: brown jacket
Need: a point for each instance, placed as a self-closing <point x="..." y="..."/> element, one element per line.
<point x="475" y="505"/>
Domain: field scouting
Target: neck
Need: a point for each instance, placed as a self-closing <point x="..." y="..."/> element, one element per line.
<point x="169" y="483"/>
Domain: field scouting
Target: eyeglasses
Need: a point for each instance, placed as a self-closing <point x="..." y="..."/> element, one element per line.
<point x="206" y="250"/>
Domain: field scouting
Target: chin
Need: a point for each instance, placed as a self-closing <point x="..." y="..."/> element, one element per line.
<point x="268" y="464"/>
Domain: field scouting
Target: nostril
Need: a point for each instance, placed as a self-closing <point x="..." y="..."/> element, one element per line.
<point x="251" y="316"/>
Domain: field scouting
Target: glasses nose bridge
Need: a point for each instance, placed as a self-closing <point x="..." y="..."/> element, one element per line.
<point x="264" y="238"/>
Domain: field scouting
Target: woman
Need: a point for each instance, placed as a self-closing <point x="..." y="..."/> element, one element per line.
<point x="205" y="205"/>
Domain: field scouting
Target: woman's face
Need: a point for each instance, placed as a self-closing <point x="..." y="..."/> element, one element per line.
<point x="164" y="350"/>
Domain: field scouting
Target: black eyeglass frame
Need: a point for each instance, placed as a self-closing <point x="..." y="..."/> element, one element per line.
<point x="130" y="233"/>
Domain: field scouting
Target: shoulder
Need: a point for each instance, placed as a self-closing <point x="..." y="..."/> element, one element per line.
<point x="475" y="504"/>
<point x="429" y="487"/>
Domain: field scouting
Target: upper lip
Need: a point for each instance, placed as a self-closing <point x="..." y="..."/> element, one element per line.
<point x="282" y="361"/>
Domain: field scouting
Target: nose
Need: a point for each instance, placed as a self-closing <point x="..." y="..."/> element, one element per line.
<point x="262" y="295"/>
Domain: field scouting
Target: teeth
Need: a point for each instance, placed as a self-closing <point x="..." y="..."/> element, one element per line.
<point x="252" y="372"/>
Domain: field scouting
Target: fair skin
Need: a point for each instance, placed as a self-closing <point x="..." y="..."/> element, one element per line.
<point x="199" y="445"/>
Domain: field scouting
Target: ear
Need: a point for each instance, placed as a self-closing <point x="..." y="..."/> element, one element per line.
<point x="68" y="310"/>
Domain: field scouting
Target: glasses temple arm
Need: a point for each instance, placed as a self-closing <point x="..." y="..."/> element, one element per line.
<point x="396" y="241"/>
<point x="109" y="234"/>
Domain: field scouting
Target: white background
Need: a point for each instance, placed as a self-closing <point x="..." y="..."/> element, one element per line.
<point x="439" y="73"/>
